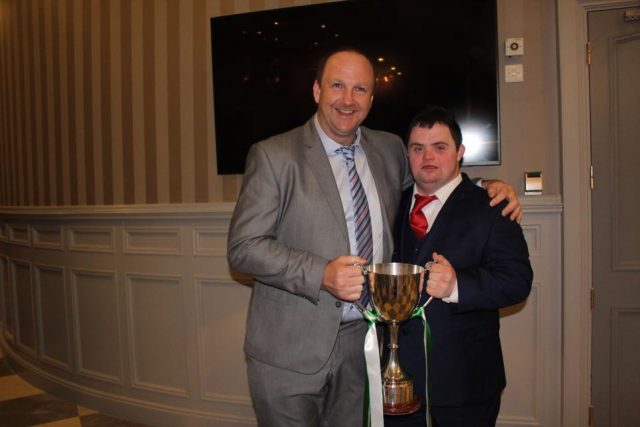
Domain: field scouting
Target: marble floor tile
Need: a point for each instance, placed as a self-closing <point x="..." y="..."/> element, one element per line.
<point x="85" y="411"/>
<point x="33" y="410"/>
<point x="101" y="420"/>
<point x="69" y="422"/>
<point x="23" y="405"/>
<point x="13" y="387"/>
<point x="5" y="369"/>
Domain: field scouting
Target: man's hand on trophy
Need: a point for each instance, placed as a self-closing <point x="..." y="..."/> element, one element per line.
<point x="442" y="277"/>
<point x="343" y="277"/>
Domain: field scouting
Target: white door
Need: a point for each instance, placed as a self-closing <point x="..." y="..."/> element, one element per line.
<point x="614" y="79"/>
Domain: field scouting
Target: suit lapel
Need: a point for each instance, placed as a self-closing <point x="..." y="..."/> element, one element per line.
<point x="439" y="228"/>
<point x="318" y="163"/>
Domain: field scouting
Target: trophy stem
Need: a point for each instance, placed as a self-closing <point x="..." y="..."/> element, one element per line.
<point x="397" y="388"/>
<point x="393" y="370"/>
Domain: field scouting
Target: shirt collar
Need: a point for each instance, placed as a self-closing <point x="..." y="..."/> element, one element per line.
<point x="330" y="146"/>
<point x="445" y="191"/>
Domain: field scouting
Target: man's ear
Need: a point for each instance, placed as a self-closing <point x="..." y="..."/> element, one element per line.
<point x="460" y="152"/>
<point x="316" y="91"/>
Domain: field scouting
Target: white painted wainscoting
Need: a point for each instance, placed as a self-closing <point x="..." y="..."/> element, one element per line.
<point x="134" y="311"/>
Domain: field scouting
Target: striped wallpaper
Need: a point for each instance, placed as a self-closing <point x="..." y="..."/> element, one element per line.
<point x="108" y="102"/>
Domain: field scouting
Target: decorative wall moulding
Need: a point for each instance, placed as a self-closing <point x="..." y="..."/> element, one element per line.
<point x="533" y="236"/>
<point x="211" y="211"/>
<point x="211" y="241"/>
<point x="3" y="232"/>
<point x="18" y="234"/>
<point x="23" y="303"/>
<point x="48" y="236"/>
<point x="92" y="239"/>
<point x="152" y="241"/>
<point x="96" y="313"/>
<point x="52" y="315"/>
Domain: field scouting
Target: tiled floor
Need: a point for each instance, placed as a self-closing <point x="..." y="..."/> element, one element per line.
<point x="23" y="405"/>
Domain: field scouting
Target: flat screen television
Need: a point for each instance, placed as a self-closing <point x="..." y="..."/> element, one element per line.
<point x="425" y="52"/>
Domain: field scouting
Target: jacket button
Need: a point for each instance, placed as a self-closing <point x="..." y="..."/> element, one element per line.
<point x="338" y="304"/>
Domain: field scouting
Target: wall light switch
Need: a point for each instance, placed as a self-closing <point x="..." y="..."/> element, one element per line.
<point x="533" y="183"/>
<point x="513" y="73"/>
<point x="514" y="46"/>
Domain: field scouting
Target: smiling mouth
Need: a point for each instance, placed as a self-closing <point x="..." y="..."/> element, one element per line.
<point x="345" y="112"/>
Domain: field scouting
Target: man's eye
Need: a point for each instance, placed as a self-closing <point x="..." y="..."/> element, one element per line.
<point x="336" y="85"/>
<point x="360" y="90"/>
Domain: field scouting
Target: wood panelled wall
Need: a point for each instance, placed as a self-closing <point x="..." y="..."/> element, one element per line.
<point x="108" y="102"/>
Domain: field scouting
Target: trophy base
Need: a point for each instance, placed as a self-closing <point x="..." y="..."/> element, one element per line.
<point x="404" y="408"/>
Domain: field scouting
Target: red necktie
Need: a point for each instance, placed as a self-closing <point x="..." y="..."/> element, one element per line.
<point x="417" y="220"/>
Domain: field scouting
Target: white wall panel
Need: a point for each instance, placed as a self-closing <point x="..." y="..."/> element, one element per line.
<point x="18" y="234"/>
<point x="25" y="327"/>
<point x="97" y="324"/>
<point x="48" y="236"/>
<point x="625" y="384"/>
<point x="210" y="241"/>
<point x="52" y="313"/>
<point x="152" y="241"/>
<point x="91" y="239"/>
<point x="157" y="333"/>
<point x="7" y="299"/>
<point x="222" y="303"/>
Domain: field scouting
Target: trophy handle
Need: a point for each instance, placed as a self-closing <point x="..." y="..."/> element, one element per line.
<point x="427" y="268"/>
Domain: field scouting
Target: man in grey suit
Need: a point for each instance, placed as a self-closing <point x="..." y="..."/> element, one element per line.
<point x="296" y="230"/>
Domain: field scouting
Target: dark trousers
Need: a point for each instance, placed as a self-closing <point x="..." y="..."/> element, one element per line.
<point x="483" y="414"/>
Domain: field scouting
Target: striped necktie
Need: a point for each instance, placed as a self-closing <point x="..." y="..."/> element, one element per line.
<point x="362" y="219"/>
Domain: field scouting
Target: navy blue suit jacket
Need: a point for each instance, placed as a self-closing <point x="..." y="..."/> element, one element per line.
<point x="491" y="260"/>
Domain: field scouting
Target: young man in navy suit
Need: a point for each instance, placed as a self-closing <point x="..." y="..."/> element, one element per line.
<point x="480" y="263"/>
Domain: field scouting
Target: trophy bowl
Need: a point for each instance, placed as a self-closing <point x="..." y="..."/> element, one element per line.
<point x="394" y="290"/>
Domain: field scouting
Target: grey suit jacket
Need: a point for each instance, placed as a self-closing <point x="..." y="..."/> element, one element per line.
<point x="287" y="225"/>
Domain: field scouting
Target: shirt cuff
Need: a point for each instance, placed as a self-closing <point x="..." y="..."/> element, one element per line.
<point x="454" y="295"/>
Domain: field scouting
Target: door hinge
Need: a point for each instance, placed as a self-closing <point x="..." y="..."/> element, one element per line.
<point x="588" y="53"/>
<point x="590" y="415"/>
<point x="591" y="180"/>
<point x="593" y="298"/>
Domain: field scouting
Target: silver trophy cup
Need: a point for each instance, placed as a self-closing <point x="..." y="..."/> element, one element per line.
<point x="394" y="290"/>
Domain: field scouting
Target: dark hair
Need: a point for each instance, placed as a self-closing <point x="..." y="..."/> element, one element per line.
<point x="435" y="114"/>
<point x="323" y="61"/>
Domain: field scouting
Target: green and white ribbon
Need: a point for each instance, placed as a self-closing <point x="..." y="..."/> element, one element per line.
<point x="419" y="312"/>
<point x="374" y="416"/>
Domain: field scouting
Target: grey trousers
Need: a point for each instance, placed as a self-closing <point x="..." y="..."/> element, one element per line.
<point x="333" y="396"/>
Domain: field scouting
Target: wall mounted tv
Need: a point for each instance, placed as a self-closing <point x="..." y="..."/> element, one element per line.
<point x="425" y="51"/>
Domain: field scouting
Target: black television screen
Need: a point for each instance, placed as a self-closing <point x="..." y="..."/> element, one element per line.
<point x="424" y="51"/>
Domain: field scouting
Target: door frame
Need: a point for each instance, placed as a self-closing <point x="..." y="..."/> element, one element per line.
<point x="576" y="161"/>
